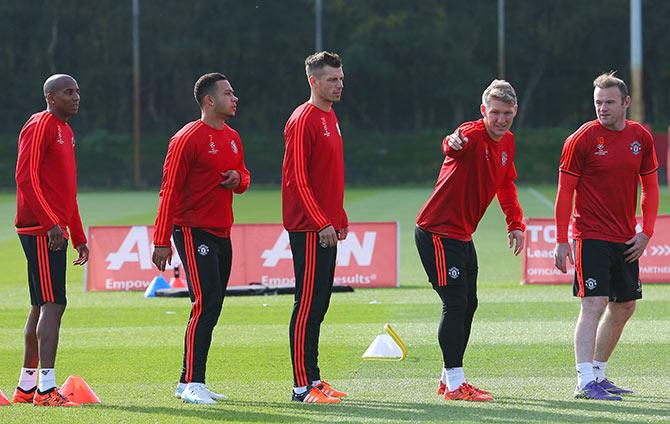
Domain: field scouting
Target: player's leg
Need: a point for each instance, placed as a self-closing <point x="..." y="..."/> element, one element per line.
<point x="472" y="271"/>
<point x="627" y="289"/>
<point x="444" y="261"/>
<point x="47" y="269"/>
<point x="199" y="253"/>
<point x="323" y="289"/>
<point x="591" y="285"/>
<point x="304" y="247"/>
<point x="27" y="385"/>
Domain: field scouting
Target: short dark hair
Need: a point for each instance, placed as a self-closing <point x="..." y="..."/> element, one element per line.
<point x="607" y="80"/>
<point x="316" y="62"/>
<point x="205" y="85"/>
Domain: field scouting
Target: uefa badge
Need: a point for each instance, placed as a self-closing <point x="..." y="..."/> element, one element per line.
<point x="233" y="146"/>
<point x="203" y="249"/>
<point x="635" y="147"/>
<point x="503" y="158"/>
<point x="454" y="272"/>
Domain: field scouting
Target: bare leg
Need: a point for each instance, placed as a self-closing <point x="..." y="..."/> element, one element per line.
<point x="611" y="326"/>
<point x="586" y="329"/>
<point x="30" y="353"/>
<point x="48" y="328"/>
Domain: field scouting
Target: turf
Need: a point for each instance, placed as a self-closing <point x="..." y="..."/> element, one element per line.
<point x="129" y="348"/>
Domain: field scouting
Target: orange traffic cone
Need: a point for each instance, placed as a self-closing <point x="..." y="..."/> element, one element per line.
<point x="76" y="389"/>
<point x="3" y="399"/>
<point x="176" y="282"/>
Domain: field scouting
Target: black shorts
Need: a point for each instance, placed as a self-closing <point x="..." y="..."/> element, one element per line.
<point x="446" y="261"/>
<point x="46" y="270"/>
<point x="601" y="270"/>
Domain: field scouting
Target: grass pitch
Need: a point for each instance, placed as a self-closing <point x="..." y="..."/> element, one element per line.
<point x="129" y="348"/>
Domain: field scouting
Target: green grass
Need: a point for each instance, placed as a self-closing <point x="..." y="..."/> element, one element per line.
<point x="129" y="348"/>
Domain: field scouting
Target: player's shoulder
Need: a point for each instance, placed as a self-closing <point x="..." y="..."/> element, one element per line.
<point x="473" y="128"/>
<point x="231" y="131"/>
<point x="188" y="132"/>
<point x="585" y="132"/>
<point x="40" y="120"/>
<point x="638" y="129"/>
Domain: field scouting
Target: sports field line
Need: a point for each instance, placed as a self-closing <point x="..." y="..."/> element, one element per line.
<point x="541" y="197"/>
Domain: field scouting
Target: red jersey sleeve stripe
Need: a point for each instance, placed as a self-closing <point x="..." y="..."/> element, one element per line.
<point x="301" y="174"/>
<point x="165" y="204"/>
<point x="570" y="172"/>
<point x="35" y="154"/>
<point x="649" y="172"/>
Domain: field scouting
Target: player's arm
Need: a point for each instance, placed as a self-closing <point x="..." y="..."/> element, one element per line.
<point x="509" y="203"/>
<point x="344" y="231"/>
<point x="245" y="176"/>
<point x="567" y="184"/>
<point x="301" y="144"/>
<point x="32" y="151"/>
<point x="175" y="171"/>
<point x="649" y="206"/>
<point x="455" y="144"/>
<point x="78" y="237"/>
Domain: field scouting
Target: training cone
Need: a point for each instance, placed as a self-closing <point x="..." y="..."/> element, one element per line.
<point x="76" y="389"/>
<point x="176" y="282"/>
<point x="387" y="347"/>
<point x="157" y="283"/>
<point x="3" y="399"/>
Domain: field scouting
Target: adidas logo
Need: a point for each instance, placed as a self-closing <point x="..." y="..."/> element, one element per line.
<point x="30" y="372"/>
<point x="44" y="372"/>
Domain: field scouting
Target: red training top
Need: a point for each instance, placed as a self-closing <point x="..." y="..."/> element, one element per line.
<point x="191" y="193"/>
<point x="608" y="164"/>
<point x="313" y="171"/>
<point x="468" y="180"/>
<point x="46" y="179"/>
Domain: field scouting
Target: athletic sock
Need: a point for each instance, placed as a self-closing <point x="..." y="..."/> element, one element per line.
<point x="455" y="377"/>
<point x="299" y="390"/>
<point x="599" y="370"/>
<point x="47" y="379"/>
<point x="27" y="379"/>
<point x="316" y="383"/>
<point x="443" y="377"/>
<point x="584" y="374"/>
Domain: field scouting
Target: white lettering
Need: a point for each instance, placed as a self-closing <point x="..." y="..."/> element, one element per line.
<point x="136" y="248"/>
<point x="352" y="247"/>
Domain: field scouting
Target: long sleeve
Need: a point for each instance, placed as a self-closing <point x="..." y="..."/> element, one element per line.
<point x="302" y="147"/>
<point x="649" y="202"/>
<point x="509" y="203"/>
<point x="77" y="229"/>
<point x="567" y="183"/>
<point x="32" y="146"/>
<point x="245" y="176"/>
<point x="175" y="172"/>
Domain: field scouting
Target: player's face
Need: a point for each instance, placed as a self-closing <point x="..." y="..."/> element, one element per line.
<point x="610" y="107"/>
<point x="65" y="101"/>
<point x="498" y="117"/>
<point x="225" y="101"/>
<point x="329" y="84"/>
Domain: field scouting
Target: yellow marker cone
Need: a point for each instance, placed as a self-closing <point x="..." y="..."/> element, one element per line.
<point x="386" y="347"/>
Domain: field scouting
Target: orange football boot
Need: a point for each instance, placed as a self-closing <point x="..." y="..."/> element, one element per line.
<point x="314" y="395"/>
<point x="24" y="396"/>
<point x="52" y="398"/>
<point x="465" y="392"/>
<point x="330" y="390"/>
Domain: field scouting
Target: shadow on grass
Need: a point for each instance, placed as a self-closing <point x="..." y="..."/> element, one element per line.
<point x="504" y="409"/>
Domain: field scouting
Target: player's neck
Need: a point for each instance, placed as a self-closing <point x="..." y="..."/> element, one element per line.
<point x="58" y="115"/>
<point x="617" y="126"/>
<point x="213" y="121"/>
<point x="319" y="102"/>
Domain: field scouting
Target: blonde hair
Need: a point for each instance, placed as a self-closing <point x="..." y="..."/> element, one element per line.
<point x="499" y="90"/>
<point x="607" y="80"/>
